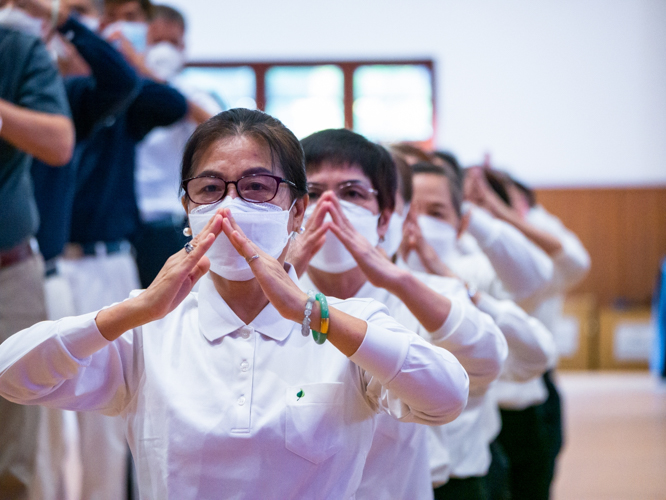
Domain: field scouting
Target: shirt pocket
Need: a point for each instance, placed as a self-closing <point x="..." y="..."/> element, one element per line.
<point x="314" y="420"/>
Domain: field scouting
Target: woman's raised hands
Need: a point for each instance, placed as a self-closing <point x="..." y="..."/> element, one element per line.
<point x="280" y="290"/>
<point x="173" y="283"/>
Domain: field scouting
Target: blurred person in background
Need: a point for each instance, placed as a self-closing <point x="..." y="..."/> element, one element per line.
<point x="355" y="185"/>
<point x="98" y="82"/>
<point x="34" y="123"/>
<point x="97" y="262"/>
<point x="160" y="234"/>
<point x="432" y="231"/>
<point x="532" y="431"/>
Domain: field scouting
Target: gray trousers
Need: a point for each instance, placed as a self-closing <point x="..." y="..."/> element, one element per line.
<point x="21" y="305"/>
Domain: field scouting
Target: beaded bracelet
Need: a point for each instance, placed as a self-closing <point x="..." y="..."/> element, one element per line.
<point x="321" y="335"/>
<point x="305" y="327"/>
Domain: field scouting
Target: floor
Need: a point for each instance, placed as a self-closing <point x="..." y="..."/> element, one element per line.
<point x="616" y="437"/>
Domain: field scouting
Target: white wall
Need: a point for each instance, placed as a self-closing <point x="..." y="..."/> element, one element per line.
<point x="561" y="92"/>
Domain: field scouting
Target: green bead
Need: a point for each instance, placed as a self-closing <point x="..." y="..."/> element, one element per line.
<point x="318" y="337"/>
<point x="300" y="394"/>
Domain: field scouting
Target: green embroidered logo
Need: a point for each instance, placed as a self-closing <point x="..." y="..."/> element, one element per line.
<point x="299" y="395"/>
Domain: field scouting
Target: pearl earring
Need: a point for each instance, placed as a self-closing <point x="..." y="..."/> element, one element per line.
<point x="301" y="230"/>
<point x="187" y="231"/>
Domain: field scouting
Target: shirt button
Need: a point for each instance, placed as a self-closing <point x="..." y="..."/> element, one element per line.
<point x="245" y="366"/>
<point x="245" y="332"/>
<point x="241" y="401"/>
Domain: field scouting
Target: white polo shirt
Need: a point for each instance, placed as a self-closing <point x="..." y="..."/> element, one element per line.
<point x="398" y="465"/>
<point x="215" y="408"/>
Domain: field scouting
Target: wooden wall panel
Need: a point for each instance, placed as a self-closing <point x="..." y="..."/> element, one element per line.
<point x="625" y="232"/>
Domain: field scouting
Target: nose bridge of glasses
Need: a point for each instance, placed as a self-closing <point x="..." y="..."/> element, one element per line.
<point x="232" y="190"/>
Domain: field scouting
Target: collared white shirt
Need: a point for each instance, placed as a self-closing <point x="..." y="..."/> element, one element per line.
<point x="532" y="349"/>
<point x="215" y="408"/>
<point x="570" y="266"/>
<point x="402" y="448"/>
<point x="522" y="266"/>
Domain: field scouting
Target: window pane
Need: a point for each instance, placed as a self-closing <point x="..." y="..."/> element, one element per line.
<point x="393" y="103"/>
<point x="232" y="87"/>
<point x="306" y="98"/>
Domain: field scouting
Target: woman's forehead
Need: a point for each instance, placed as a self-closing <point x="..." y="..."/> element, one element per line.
<point x="334" y="173"/>
<point x="233" y="155"/>
<point x="426" y="183"/>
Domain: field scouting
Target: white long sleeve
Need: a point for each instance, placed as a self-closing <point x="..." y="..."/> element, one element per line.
<point x="471" y="336"/>
<point x="532" y="349"/>
<point x="203" y="388"/>
<point x="573" y="262"/>
<point x="411" y="382"/>
<point x="523" y="267"/>
<point x="68" y="364"/>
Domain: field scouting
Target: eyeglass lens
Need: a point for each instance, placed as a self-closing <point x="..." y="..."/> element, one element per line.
<point x="350" y="191"/>
<point x="255" y="188"/>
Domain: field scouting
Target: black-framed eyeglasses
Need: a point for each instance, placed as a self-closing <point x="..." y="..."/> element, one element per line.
<point x="255" y="188"/>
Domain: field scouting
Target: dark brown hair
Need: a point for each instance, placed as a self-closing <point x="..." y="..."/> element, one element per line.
<point x="344" y="147"/>
<point x="446" y="171"/>
<point x="404" y="149"/>
<point x="286" y="151"/>
<point x="169" y="14"/>
<point x="146" y="5"/>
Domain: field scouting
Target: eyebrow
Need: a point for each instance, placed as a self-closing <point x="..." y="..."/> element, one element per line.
<point x="352" y="181"/>
<point x="249" y="171"/>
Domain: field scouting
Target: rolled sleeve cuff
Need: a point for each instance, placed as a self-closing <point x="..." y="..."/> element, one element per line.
<point x="482" y="226"/>
<point x="382" y="353"/>
<point x="81" y="336"/>
<point x="452" y="321"/>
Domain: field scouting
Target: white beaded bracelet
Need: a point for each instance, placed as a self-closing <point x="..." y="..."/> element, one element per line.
<point x="305" y="327"/>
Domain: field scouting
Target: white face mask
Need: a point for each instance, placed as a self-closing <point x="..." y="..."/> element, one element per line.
<point x="333" y="256"/>
<point x="393" y="236"/>
<point x="441" y="235"/>
<point x="164" y="60"/>
<point x="264" y="224"/>
<point x="135" y="33"/>
<point x="13" y="17"/>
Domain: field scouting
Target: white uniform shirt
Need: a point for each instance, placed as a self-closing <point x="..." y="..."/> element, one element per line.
<point x="215" y="408"/>
<point x="158" y="158"/>
<point x="532" y="349"/>
<point x="402" y="448"/>
<point x="522" y="267"/>
<point x="570" y="266"/>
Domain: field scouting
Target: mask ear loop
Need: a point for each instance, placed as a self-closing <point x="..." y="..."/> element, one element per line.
<point x="300" y="230"/>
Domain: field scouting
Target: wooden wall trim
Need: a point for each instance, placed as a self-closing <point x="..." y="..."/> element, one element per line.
<point x="623" y="229"/>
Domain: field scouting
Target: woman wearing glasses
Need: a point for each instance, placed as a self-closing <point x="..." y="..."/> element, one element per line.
<point x="353" y="183"/>
<point x="224" y="393"/>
